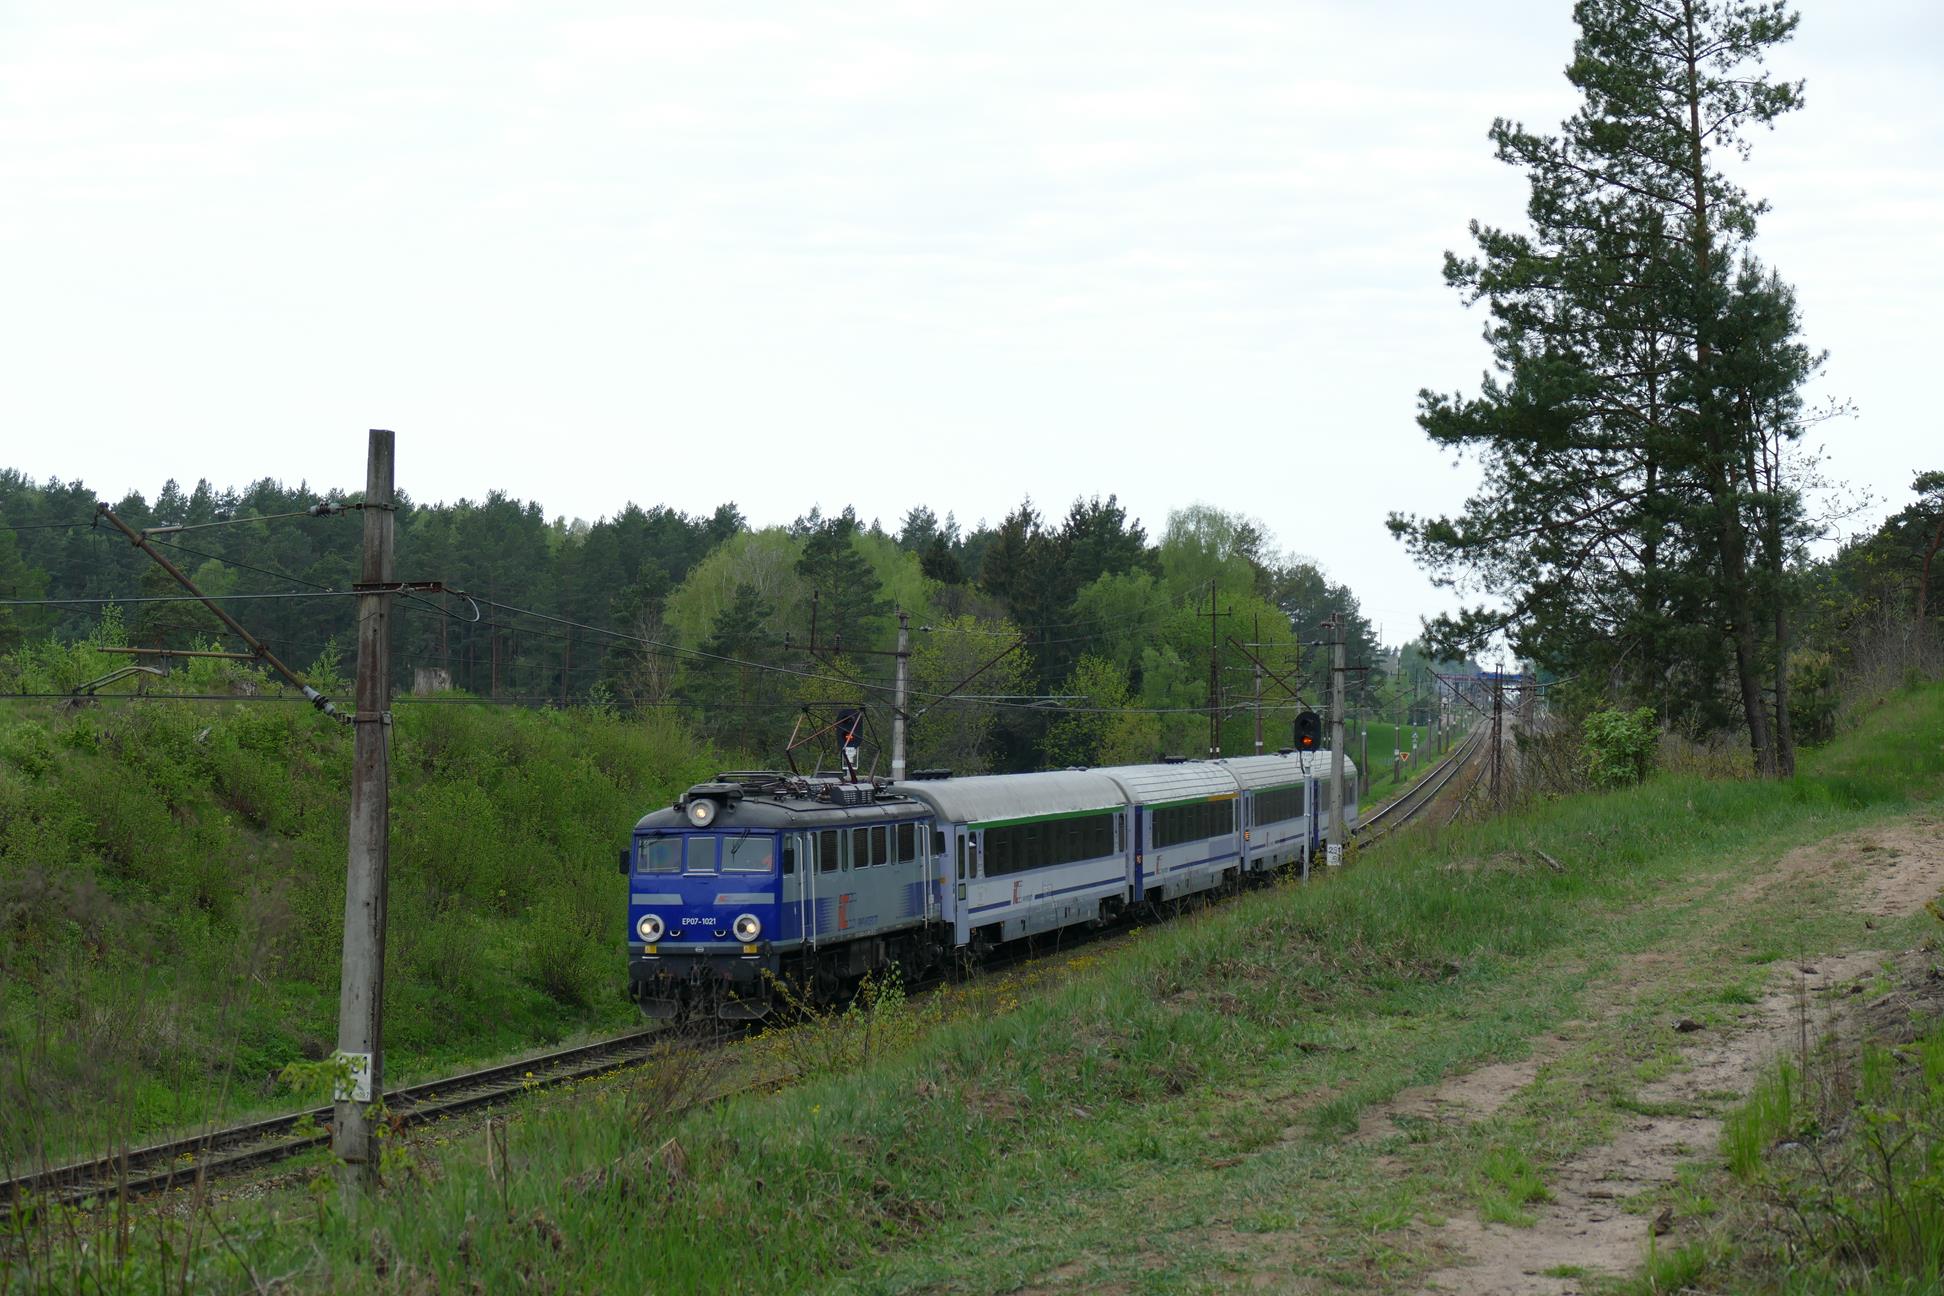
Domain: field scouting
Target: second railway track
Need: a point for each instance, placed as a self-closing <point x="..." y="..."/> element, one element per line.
<point x="1405" y="809"/>
<point x="159" y="1167"/>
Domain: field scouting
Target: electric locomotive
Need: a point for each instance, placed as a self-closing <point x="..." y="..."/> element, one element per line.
<point x="761" y="879"/>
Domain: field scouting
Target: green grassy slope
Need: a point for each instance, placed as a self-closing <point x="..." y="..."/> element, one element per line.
<point x="1195" y="1084"/>
<point x="171" y="897"/>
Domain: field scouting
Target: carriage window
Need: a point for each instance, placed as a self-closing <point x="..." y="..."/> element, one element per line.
<point x="827" y="851"/>
<point x="747" y="854"/>
<point x="938" y="841"/>
<point x="661" y="855"/>
<point x="907" y="843"/>
<point x="880" y="845"/>
<point x="701" y="855"/>
<point x="1277" y="805"/>
<point x="961" y="857"/>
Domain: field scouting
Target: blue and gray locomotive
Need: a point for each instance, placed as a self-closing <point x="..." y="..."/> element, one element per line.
<point x="760" y="879"/>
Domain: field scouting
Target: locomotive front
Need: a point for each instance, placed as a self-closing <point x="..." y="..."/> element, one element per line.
<point x="705" y="907"/>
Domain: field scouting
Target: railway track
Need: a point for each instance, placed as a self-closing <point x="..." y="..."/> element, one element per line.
<point x="1395" y="814"/>
<point x="162" y="1166"/>
<point x="223" y="1152"/>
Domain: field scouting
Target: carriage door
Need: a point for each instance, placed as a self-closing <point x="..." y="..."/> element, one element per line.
<point x="800" y="853"/>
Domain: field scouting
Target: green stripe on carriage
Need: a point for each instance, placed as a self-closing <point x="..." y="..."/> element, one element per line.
<point x="1058" y="814"/>
<point x="1195" y="800"/>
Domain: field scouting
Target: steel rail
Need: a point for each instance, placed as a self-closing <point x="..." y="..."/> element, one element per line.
<point x="1415" y="798"/>
<point x="161" y="1166"/>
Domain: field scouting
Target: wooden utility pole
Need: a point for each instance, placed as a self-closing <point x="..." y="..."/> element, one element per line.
<point x="1335" y="627"/>
<point x="1214" y="674"/>
<point x="361" y="994"/>
<point x="1498" y="728"/>
<point x="901" y="699"/>
<point x="1258" y="688"/>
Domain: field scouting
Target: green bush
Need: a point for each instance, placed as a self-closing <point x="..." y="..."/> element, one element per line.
<point x="1813" y="698"/>
<point x="1619" y="747"/>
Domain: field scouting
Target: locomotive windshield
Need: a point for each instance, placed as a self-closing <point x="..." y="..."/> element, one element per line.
<point x="707" y="853"/>
<point x="661" y="855"/>
<point x="748" y="854"/>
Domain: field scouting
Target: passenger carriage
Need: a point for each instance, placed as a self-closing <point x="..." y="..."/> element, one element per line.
<point x="1317" y="763"/>
<point x="1186" y="835"/>
<point x="1029" y="853"/>
<point x="1279" y="824"/>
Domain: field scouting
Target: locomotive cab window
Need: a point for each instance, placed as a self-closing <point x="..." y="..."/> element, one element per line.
<point x="907" y="842"/>
<point x="701" y="854"/>
<point x="660" y="855"/>
<point x="749" y="854"/>
<point x="790" y="855"/>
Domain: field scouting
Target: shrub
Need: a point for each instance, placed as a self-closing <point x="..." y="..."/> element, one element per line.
<point x="1619" y="746"/>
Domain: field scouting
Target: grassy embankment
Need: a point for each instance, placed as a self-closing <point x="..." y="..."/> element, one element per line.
<point x="172" y="883"/>
<point x="1385" y="738"/>
<point x="1177" y="1114"/>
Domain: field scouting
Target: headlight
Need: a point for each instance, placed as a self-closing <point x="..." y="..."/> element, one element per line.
<point x="702" y="812"/>
<point x="747" y="928"/>
<point x="650" y="928"/>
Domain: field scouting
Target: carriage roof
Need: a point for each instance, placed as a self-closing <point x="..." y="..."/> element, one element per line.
<point x="986" y="797"/>
<point x="1148" y="784"/>
<point x="1266" y="771"/>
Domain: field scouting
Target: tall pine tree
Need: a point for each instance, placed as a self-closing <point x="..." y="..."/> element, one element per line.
<point x="1619" y="499"/>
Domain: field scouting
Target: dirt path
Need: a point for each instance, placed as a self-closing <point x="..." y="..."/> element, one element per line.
<point x="1891" y="870"/>
<point x="1584" y="1227"/>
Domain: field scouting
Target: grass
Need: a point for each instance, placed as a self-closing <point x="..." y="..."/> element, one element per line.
<point x="171" y="897"/>
<point x="1771" y="1114"/>
<point x="1179" y="1114"/>
<point x="1386" y="737"/>
<point x="1831" y="1170"/>
<point x="1507" y="1183"/>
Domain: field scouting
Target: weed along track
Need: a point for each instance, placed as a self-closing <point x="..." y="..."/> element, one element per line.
<point x="237" y="1148"/>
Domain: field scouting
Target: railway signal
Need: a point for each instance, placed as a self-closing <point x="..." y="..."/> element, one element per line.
<point x="1309" y="731"/>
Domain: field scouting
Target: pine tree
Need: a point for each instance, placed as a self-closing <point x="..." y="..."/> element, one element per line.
<point x="1618" y="499"/>
<point x="749" y="703"/>
<point x="851" y="607"/>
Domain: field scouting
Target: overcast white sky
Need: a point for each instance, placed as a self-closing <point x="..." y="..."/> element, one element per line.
<point x="874" y="253"/>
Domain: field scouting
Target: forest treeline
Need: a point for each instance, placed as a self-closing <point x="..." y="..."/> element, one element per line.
<point x="1042" y="640"/>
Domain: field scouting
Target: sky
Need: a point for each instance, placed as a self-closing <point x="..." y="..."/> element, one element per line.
<point x="876" y="253"/>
